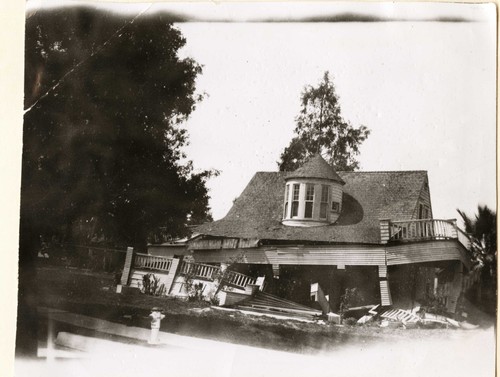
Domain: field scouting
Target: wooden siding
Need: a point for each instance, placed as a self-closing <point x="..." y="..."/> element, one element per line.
<point x="205" y="244"/>
<point x="425" y="199"/>
<point x="229" y="243"/>
<point x="222" y="243"/>
<point x="248" y="242"/>
<point x="223" y="256"/>
<point x="342" y="256"/>
<point x="168" y="251"/>
<point x="334" y="255"/>
<point x="431" y="251"/>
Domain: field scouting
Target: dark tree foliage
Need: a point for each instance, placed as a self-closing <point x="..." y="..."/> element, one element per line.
<point x="105" y="98"/>
<point x="320" y="128"/>
<point x="482" y="231"/>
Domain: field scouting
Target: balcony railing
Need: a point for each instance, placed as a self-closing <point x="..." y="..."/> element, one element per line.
<point x="427" y="229"/>
<point x="237" y="279"/>
<point x="152" y="262"/>
<point x="198" y="270"/>
<point x="206" y="271"/>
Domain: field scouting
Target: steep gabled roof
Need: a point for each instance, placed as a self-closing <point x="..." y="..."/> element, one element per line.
<point x="316" y="167"/>
<point x="368" y="197"/>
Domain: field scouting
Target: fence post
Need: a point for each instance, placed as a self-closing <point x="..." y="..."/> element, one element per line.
<point x="172" y="274"/>
<point x="127" y="266"/>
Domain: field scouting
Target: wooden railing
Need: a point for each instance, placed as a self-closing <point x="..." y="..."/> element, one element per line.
<point x="427" y="229"/>
<point x="237" y="279"/>
<point x="198" y="270"/>
<point x="152" y="262"/>
<point x="412" y="230"/>
<point x="206" y="271"/>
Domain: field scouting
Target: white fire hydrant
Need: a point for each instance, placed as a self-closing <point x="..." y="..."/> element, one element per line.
<point x="156" y="317"/>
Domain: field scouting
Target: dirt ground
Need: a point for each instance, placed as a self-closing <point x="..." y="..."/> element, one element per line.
<point x="94" y="294"/>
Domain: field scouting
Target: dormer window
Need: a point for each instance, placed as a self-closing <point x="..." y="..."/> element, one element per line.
<point x="308" y="214"/>
<point x="309" y="193"/>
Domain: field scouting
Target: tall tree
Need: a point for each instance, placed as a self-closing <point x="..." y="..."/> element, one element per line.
<point x="106" y="97"/>
<point x="320" y="128"/>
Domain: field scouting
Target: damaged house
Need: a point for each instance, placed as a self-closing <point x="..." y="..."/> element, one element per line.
<point x="308" y="236"/>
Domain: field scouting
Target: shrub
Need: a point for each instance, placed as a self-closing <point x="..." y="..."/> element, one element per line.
<point x="196" y="292"/>
<point x="214" y="300"/>
<point x="151" y="285"/>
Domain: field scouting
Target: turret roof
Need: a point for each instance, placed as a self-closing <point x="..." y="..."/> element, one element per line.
<point x="316" y="167"/>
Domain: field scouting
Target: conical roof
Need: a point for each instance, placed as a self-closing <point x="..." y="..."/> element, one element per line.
<point x="316" y="167"/>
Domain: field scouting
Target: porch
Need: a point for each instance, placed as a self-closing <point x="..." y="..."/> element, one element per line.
<point x="422" y="230"/>
<point x="173" y="271"/>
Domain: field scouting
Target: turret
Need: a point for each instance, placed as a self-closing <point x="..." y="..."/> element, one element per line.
<point x="313" y="194"/>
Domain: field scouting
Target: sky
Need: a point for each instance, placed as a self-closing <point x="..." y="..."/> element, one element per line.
<point x="426" y="89"/>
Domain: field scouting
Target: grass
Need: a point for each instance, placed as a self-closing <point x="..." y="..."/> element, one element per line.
<point x="94" y="294"/>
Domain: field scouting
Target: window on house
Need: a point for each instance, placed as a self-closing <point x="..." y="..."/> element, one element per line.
<point x="287" y="192"/>
<point x="335" y="206"/>
<point x="325" y="193"/>
<point x="309" y="201"/>
<point x="295" y="200"/>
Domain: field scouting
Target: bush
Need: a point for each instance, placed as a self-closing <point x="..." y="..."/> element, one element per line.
<point x="151" y="285"/>
<point x="196" y="292"/>
<point x="214" y="300"/>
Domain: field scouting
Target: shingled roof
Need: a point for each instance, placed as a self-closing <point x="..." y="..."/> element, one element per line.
<point x="316" y="167"/>
<point x="368" y="197"/>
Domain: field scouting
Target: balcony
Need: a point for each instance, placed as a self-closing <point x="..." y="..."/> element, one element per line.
<point x="422" y="230"/>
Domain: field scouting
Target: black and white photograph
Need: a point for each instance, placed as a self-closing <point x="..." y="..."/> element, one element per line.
<point x="257" y="189"/>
